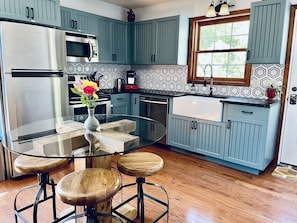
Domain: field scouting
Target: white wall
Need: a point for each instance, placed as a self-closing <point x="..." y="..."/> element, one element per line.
<point x="97" y="7"/>
<point x="189" y="8"/>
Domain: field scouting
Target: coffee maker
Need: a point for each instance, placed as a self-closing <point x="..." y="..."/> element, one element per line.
<point x="131" y="80"/>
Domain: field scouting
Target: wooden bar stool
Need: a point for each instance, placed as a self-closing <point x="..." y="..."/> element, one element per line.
<point x="87" y="188"/>
<point x="141" y="165"/>
<point x="41" y="166"/>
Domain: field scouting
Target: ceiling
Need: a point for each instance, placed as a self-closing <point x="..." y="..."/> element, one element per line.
<point x="133" y="4"/>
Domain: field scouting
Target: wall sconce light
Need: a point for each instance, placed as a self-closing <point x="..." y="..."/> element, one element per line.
<point x="221" y="9"/>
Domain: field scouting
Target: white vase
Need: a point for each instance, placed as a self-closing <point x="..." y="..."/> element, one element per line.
<point x="91" y="123"/>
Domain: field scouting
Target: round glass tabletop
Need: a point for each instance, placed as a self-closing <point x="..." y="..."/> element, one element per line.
<point x="67" y="137"/>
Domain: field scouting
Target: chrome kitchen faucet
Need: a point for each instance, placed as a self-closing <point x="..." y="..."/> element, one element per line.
<point x="211" y="78"/>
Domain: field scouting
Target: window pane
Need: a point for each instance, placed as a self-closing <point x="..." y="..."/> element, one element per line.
<point x="222" y="43"/>
<point x="236" y="71"/>
<point x="237" y="58"/>
<point x="239" y="42"/>
<point x="205" y="58"/>
<point x="241" y="28"/>
<point x="220" y="58"/>
<point x="207" y="35"/>
<point x="223" y="29"/>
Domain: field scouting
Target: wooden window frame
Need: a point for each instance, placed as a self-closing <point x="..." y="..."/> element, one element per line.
<point x="234" y="16"/>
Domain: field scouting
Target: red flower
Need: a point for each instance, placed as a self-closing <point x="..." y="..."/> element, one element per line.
<point x="89" y="90"/>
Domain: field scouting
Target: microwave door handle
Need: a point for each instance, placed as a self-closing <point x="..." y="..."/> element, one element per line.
<point x="91" y="51"/>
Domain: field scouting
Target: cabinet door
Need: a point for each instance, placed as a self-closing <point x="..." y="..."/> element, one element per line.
<point x="15" y="9"/>
<point x="120" y="42"/>
<point x="143" y="43"/>
<point x="245" y="143"/>
<point x="120" y="103"/>
<point x="166" y="41"/>
<point x="209" y="138"/>
<point x="86" y="22"/>
<point x="105" y="40"/>
<point x="36" y="11"/>
<point x="75" y="20"/>
<point x="268" y="32"/>
<point x="179" y="132"/>
<point x="46" y="12"/>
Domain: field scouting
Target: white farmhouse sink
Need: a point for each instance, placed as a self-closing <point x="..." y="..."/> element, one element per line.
<point x="207" y="108"/>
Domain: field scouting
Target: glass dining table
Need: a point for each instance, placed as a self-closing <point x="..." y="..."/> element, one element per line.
<point x="66" y="137"/>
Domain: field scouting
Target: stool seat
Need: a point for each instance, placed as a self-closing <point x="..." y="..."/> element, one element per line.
<point x="88" y="187"/>
<point x="140" y="164"/>
<point x="34" y="165"/>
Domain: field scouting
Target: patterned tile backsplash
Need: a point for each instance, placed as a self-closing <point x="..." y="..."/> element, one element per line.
<point x="174" y="78"/>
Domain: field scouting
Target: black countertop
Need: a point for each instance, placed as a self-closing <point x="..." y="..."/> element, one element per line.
<point x="224" y="99"/>
<point x="250" y="101"/>
<point x="143" y="91"/>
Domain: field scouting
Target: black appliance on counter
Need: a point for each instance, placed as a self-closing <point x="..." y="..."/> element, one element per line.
<point x="131" y="80"/>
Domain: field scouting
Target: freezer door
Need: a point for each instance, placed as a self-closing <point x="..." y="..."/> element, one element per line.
<point x="32" y="47"/>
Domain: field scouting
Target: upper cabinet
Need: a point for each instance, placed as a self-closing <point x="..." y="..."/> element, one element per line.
<point x="161" y="41"/>
<point x="114" y="39"/>
<point x="75" y="20"/>
<point x="45" y="12"/>
<point x="269" y="22"/>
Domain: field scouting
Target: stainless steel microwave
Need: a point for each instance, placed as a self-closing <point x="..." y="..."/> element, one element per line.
<point x="81" y="47"/>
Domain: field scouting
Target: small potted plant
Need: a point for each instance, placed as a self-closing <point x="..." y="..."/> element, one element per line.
<point x="273" y="90"/>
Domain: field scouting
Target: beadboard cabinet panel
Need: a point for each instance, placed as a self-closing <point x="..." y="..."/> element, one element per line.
<point x="78" y="21"/>
<point x="251" y="134"/>
<point x="179" y="132"/>
<point x="143" y="33"/>
<point x="268" y="33"/>
<point x="161" y="41"/>
<point x="45" y="12"/>
<point x="113" y="36"/>
<point x="209" y="138"/>
<point x="196" y="135"/>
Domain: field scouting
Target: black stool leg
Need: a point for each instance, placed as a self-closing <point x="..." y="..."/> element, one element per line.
<point x="140" y="201"/>
<point x="43" y="180"/>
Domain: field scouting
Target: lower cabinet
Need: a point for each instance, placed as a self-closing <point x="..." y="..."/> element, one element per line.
<point x="245" y="139"/>
<point x="250" y="134"/>
<point x="196" y="135"/>
<point x="120" y="103"/>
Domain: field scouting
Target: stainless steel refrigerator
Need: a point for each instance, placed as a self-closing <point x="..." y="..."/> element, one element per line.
<point x="33" y="82"/>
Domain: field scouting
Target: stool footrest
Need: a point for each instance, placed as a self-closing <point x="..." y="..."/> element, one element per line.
<point x="43" y="181"/>
<point x="140" y="182"/>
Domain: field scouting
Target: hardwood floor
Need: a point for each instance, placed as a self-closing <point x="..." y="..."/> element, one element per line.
<point x="199" y="191"/>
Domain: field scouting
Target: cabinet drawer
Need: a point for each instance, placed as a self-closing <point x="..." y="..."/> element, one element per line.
<point x="120" y="98"/>
<point x="248" y="112"/>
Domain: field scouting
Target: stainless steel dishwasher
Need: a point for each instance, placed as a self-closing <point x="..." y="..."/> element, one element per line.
<point x="155" y="107"/>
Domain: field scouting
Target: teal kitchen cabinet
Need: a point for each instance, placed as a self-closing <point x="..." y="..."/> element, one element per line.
<point x="197" y="135"/>
<point x="268" y="33"/>
<point x="114" y="41"/>
<point x="251" y="134"/>
<point x="161" y="41"/>
<point x="135" y="104"/>
<point x="78" y="21"/>
<point x="45" y="12"/>
<point x="120" y="103"/>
